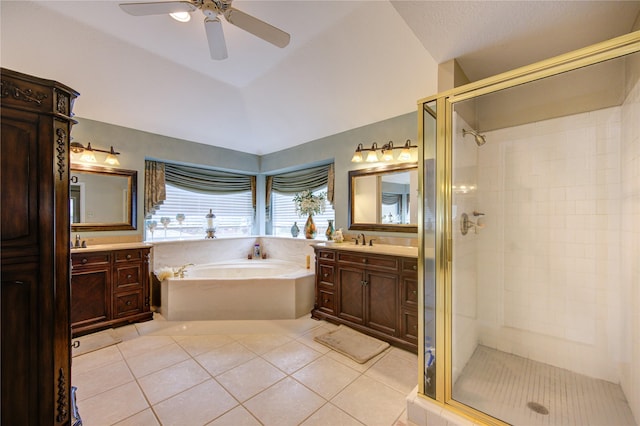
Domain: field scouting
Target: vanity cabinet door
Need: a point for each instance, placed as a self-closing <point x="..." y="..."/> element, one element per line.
<point x="381" y="302"/>
<point x="90" y="296"/>
<point x="351" y="289"/>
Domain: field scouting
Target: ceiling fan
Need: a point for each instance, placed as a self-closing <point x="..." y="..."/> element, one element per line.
<point x="212" y="9"/>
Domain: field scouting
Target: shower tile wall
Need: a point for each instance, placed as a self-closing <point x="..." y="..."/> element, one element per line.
<point x="630" y="225"/>
<point x="548" y="259"/>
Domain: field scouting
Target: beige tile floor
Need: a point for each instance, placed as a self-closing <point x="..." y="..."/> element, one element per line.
<point x="238" y="373"/>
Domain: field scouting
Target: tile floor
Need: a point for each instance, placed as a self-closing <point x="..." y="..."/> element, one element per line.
<point x="238" y="373"/>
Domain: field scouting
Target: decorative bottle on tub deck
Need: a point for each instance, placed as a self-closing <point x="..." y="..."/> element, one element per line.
<point x="295" y="230"/>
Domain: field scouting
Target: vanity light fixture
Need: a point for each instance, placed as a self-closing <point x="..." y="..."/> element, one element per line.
<point x="357" y="156"/>
<point x="372" y="155"/>
<point x="386" y="151"/>
<point x="87" y="154"/>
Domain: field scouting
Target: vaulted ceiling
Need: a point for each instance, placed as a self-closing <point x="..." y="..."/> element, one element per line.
<point x="349" y="63"/>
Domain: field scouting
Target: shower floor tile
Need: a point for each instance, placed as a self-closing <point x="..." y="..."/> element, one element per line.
<point x="502" y="384"/>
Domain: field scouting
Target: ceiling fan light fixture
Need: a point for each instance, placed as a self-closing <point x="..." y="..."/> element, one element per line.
<point x="212" y="9"/>
<point x="181" y="16"/>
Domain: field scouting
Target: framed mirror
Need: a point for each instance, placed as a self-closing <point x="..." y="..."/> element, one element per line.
<point x="384" y="198"/>
<point x="102" y="198"/>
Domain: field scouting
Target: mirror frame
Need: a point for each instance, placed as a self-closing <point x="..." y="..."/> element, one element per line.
<point x="132" y="178"/>
<point x="409" y="228"/>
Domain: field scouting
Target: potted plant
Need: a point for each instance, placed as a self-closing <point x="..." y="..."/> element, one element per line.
<point x="309" y="204"/>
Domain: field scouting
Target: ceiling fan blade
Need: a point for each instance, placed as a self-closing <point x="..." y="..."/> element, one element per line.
<point x="215" y="37"/>
<point x="157" y="8"/>
<point x="258" y="28"/>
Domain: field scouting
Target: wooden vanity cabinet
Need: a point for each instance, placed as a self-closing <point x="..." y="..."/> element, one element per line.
<point x="368" y="292"/>
<point x="36" y="119"/>
<point x="109" y="288"/>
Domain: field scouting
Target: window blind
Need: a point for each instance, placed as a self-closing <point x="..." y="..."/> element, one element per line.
<point x="234" y="214"/>
<point x="284" y="215"/>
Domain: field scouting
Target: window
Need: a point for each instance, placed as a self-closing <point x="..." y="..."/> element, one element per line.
<point x="283" y="215"/>
<point x="234" y="215"/>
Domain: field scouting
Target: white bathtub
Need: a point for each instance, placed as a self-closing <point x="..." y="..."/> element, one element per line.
<point x="239" y="289"/>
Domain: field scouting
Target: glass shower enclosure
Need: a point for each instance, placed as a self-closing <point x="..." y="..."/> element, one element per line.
<point x="529" y="240"/>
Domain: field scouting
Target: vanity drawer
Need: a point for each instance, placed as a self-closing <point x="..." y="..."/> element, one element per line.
<point x="409" y="266"/>
<point x="326" y="255"/>
<point x="409" y="326"/>
<point x="128" y="276"/>
<point x="388" y="263"/>
<point x="327" y="275"/>
<point x="128" y="255"/>
<point x="410" y="292"/>
<point x="90" y="258"/>
<point x="326" y="301"/>
<point x="128" y="303"/>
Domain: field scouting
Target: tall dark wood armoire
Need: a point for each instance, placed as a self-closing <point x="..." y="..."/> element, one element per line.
<point x="35" y="230"/>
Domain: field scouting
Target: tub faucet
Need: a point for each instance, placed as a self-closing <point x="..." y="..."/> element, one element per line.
<point x="180" y="271"/>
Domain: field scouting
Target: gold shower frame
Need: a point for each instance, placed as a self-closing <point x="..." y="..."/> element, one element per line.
<point x="445" y="101"/>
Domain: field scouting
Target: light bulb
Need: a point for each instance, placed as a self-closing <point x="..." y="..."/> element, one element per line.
<point x="387" y="155"/>
<point x="405" y="155"/>
<point x="372" y="157"/>
<point x="181" y="16"/>
<point x="88" y="155"/>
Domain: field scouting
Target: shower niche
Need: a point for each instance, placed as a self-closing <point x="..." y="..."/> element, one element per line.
<point x="530" y="298"/>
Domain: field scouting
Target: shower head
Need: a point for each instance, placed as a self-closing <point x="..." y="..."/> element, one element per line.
<point x="480" y="140"/>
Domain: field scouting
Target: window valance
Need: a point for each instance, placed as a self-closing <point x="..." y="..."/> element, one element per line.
<point x="206" y="180"/>
<point x="196" y="179"/>
<point x="300" y="180"/>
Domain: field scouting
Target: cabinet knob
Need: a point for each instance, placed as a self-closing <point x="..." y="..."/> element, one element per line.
<point x="84" y="260"/>
<point x="326" y="300"/>
<point x="414" y="292"/>
<point x="76" y="344"/>
<point x="128" y="256"/>
<point x="364" y="260"/>
<point x="415" y="267"/>
<point x="325" y="275"/>
<point x="129" y="277"/>
<point x="128" y="303"/>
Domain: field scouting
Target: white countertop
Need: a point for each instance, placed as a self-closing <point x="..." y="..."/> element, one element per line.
<point x="406" y="251"/>
<point x="108" y="247"/>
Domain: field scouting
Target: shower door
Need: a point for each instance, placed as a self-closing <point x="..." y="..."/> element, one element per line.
<point x="536" y="286"/>
<point x="428" y="247"/>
